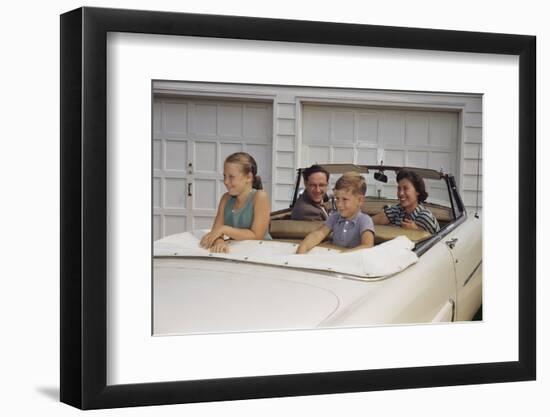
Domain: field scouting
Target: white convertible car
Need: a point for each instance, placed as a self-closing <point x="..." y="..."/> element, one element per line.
<point x="409" y="276"/>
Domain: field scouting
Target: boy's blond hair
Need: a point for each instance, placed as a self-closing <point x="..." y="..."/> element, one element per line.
<point x="352" y="181"/>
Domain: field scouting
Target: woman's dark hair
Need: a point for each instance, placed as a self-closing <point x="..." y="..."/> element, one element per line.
<point x="312" y="170"/>
<point x="417" y="182"/>
<point x="248" y="166"/>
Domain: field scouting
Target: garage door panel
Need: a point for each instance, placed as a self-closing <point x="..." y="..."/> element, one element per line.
<point x="227" y="149"/>
<point x="262" y="155"/>
<point x="392" y="128"/>
<point x="394" y="157"/>
<point x="367" y="127"/>
<point x="284" y="192"/>
<point x="443" y="130"/>
<point x="157" y="119"/>
<point x="417" y="159"/>
<point x="258" y="120"/>
<point x="205" y="119"/>
<point x="205" y="157"/>
<point x="316" y="128"/>
<point x="205" y="194"/>
<point x="221" y="190"/>
<point x="389" y="190"/>
<point x="203" y="222"/>
<point x="344" y="127"/>
<point x="175" y="193"/>
<point x="417" y="129"/>
<point x="342" y="155"/>
<point x="174" y="224"/>
<point x="230" y="121"/>
<point x="157" y="231"/>
<point x="437" y="194"/>
<point x="156" y="192"/>
<point x="176" y="118"/>
<point x="441" y="160"/>
<point x="318" y="155"/>
<point x="367" y="156"/>
<point x="175" y="158"/>
<point x="157" y="154"/>
<point x="268" y="189"/>
<point x="372" y="185"/>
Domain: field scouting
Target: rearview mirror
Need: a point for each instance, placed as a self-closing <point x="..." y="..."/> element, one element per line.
<point x="380" y="176"/>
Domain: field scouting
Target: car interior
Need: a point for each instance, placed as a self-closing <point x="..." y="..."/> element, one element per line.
<point x="285" y="229"/>
<point x="282" y="227"/>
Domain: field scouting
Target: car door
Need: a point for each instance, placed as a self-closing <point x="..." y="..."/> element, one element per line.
<point x="442" y="273"/>
<point x="464" y="245"/>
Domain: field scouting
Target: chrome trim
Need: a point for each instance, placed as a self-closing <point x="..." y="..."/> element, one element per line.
<point x="451" y="243"/>
<point x="423" y="246"/>
<point x="472" y="274"/>
<point x="453" y="303"/>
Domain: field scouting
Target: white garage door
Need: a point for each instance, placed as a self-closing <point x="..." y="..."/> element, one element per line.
<point x="341" y="134"/>
<point x="191" y="139"/>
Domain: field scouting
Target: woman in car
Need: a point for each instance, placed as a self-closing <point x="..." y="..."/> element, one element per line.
<point x="409" y="213"/>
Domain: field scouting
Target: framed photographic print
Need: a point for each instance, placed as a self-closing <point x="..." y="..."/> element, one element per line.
<point x="382" y="152"/>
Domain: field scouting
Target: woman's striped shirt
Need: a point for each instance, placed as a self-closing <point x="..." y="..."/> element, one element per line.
<point x="420" y="215"/>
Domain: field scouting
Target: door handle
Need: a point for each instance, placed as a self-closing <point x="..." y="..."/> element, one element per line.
<point x="451" y="243"/>
<point x="447" y="312"/>
<point x="189" y="189"/>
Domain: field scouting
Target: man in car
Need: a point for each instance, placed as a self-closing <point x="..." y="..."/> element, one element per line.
<point x="309" y="205"/>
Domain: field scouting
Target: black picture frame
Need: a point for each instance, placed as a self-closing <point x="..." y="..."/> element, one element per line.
<point x="84" y="207"/>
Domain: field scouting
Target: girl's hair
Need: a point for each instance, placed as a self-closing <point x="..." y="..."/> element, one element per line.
<point x="352" y="181"/>
<point x="248" y="166"/>
<point x="417" y="182"/>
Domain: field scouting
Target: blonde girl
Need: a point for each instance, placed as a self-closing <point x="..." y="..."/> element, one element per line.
<point x="243" y="212"/>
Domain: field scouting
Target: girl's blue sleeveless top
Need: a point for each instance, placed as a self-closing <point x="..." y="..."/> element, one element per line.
<point x="243" y="217"/>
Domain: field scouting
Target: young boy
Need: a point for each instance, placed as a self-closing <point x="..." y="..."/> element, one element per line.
<point x="350" y="227"/>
